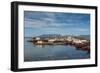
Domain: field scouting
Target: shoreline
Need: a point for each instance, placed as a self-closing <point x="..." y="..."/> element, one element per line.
<point x="80" y="46"/>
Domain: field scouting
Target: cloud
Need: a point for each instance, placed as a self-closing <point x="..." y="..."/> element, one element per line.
<point x="83" y="29"/>
<point x="52" y="22"/>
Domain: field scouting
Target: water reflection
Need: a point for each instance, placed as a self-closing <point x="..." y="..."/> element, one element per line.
<point x="42" y="46"/>
<point x="34" y="52"/>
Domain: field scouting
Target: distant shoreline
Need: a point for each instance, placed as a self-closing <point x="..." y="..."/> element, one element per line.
<point x="81" y="46"/>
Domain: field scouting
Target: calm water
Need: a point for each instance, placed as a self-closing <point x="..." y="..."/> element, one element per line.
<point x="51" y="52"/>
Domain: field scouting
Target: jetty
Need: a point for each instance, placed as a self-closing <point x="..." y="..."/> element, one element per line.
<point x="80" y="44"/>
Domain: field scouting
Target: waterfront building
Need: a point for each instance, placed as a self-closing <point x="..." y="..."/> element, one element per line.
<point x="37" y="38"/>
<point x="39" y="41"/>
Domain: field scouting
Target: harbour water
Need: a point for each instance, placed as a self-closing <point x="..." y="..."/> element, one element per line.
<point x="51" y="52"/>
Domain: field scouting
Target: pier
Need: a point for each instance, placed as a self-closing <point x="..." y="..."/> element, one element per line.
<point x="80" y="44"/>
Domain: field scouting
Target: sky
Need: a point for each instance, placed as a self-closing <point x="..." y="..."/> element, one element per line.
<point x="37" y="23"/>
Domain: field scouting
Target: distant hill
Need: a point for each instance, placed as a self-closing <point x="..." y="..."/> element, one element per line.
<point x="87" y="37"/>
<point x="49" y="35"/>
<point x="44" y="36"/>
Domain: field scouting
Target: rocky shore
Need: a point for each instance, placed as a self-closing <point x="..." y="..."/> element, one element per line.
<point x="77" y="42"/>
<point x="85" y="46"/>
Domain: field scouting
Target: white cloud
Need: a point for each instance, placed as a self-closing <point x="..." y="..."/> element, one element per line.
<point x="82" y="29"/>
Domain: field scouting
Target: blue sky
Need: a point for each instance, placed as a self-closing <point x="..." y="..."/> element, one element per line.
<point x="38" y="23"/>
